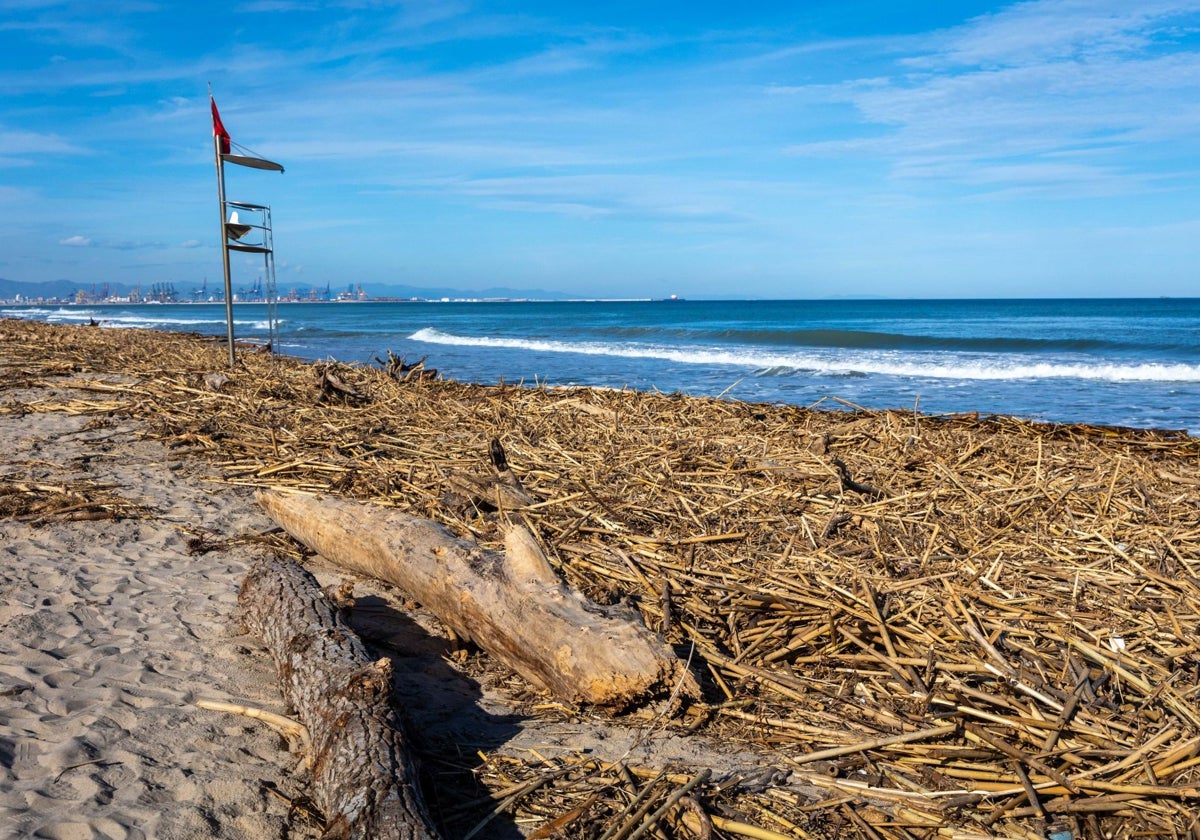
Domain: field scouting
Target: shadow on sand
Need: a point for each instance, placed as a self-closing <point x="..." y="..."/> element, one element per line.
<point x="445" y="722"/>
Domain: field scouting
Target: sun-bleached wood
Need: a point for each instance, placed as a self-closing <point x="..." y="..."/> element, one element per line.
<point x="513" y="606"/>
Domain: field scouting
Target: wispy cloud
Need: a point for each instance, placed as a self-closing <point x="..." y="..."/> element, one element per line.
<point x="1041" y="31"/>
<point x="22" y="148"/>
<point x="79" y="241"/>
<point x="1005" y="95"/>
<point x="75" y="23"/>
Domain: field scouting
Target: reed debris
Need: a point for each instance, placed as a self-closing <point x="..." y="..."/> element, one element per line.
<point x="934" y="625"/>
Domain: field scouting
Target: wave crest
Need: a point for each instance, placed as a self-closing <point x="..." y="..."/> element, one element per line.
<point x="841" y="364"/>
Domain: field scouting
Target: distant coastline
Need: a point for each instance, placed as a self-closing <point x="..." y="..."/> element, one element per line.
<point x="262" y="301"/>
<point x="59" y="301"/>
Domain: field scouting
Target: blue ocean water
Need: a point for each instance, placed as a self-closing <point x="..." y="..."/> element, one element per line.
<point x="1115" y="362"/>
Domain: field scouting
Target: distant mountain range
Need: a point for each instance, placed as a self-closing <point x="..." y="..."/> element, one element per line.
<point x="63" y="289"/>
<point x="10" y="289"/>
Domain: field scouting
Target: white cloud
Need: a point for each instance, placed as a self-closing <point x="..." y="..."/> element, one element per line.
<point x="1051" y="30"/>
<point x="33" y="143"/>
<point x="76" y="242"/>
<point x="15" y="195"/>
<point x="998" y="100"/>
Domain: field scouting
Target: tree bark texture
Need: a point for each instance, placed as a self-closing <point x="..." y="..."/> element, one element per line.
<point x="512" y="605"/>
<point x="363" y="780"/>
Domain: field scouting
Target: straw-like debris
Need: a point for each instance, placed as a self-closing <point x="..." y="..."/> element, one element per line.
<point x="978" y="626"/>
<point x="40" y="502"/>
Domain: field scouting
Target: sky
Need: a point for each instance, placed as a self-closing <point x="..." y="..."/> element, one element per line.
<point x="808" y="149"/>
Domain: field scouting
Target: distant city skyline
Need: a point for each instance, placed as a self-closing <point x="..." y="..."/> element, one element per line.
<point x="1032" y="149"/>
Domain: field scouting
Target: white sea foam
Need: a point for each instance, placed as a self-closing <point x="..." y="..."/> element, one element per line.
<point x="912" y="365"/>
<point x="33" y="313"/>
<point x="120" y="318"/>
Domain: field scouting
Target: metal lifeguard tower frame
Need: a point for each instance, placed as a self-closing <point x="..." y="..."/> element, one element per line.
<point x="251" y="233"/>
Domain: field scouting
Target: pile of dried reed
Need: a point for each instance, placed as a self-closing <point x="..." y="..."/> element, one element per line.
<point x="969" y="626"/>
<point x="41" y="502"/>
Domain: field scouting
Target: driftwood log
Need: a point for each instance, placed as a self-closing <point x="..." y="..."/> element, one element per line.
<point x="362" y="778"/>
<point x="512" y="605"/>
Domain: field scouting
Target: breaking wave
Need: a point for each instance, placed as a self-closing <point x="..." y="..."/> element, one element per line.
<point x="921" y="364"/>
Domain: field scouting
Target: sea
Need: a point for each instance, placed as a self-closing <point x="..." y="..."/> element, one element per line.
<point x="1130" y="362"/>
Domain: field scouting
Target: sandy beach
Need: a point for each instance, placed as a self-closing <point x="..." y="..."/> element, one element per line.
<point x="926" y="636"/>
<point x="112" y="628"/>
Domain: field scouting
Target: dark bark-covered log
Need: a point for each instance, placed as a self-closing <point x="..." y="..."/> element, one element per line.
<point x="512" y="605"/>
<point x="362" y="778"/>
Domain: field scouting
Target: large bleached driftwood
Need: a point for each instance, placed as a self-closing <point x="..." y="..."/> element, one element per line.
<point x="363" y="780"/>
<point x="512" y="605"/>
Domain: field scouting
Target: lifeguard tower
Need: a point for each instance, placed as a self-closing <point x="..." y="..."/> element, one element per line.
<point x="245" y="227"/>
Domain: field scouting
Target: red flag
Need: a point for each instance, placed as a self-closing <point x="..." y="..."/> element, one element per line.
<point x="218" y="127"/>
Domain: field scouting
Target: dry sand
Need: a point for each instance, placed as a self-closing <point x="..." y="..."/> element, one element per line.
<point x="112" y="629"/>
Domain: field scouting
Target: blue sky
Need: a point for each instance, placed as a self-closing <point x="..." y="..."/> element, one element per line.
<point x="617" y="149"/>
